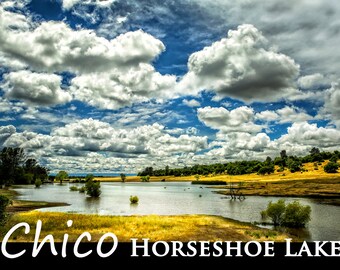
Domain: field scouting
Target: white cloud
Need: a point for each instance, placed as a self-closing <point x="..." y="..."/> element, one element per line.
<point x="191" y="103"/>
<point x="331" y="109"/>
<point x="287" y="114"/>
<point x="115" y="89"/>
<point x="68" y="4"/>
<point x="240" y="119"/>
<point x="6" y="132"/>
<point x="54" y="47"/>
<point x="306" y="134"/>
<point x="312" y="81"/>
<point x="35" y="88"/>
<point x="242" y="66"/>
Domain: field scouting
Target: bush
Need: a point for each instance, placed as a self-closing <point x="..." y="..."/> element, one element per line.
<point x="145" y="178"/>
<point x="331" y="167"/>
<point x="134" y="199"/>
<point x="296" y="215"/>
<point x="82" y="189"/>
<point x="37" y="183"/>
<point x="197" y="177"/>
<point x="4" y="202"/>
<point x="291" y="215"/>
<point x="73" y="188"/>
<point x="268" y="169"/>
<point x="93" y="188"/>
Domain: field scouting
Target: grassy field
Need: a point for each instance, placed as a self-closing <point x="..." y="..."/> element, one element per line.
<point x="165" y="228"/>
<point x="310" y="174"/>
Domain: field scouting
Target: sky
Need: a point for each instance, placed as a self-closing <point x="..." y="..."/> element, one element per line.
<point x="119" y="85"/>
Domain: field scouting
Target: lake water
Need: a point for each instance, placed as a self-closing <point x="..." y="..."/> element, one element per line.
<point x="177" y="198"/>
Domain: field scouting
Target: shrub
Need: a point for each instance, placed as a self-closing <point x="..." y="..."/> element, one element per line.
<point x="331" y="167"/>
<point x="73" y="188"/>
<point x="82" y="189"/>
<point x="37" y="183"/>
<point x="296" y="215"/>
<point x="268" y="169"/>
<point x="293" y="214"/>
<point x="145" y="178"/>
<point x="93" y="188"/>
<point x="123" y="177"/>
<point x="134" y="199"/>
<point x="4" y="202"/>
<point x="197" y="177"/>
<point x="275" y="211"/>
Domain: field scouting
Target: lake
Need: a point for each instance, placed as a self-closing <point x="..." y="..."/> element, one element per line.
<point x="177" y="198"/>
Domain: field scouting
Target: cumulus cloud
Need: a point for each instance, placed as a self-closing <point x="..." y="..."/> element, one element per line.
<point x="90" y="136"/>
<point x="35" y="88"/>
<point x="68" y="4"/>
<point x="55" y="47"/>
<point x="311" y="81"/>
<point x="287" y="114"/>
<point x="115" y="89"/>
<point x="240" y="119"/>
<point x="242" y="66"/>
<point x="331" y="109"/>
<point x="6" y="132"/>
<point x="191" y="102"/>
<point x="308" y="135"/>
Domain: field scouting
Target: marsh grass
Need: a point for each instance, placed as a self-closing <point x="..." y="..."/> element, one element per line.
<point x="166" y="228"/>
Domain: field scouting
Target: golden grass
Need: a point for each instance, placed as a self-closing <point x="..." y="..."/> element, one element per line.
<point x="310" y="174"/>
<point x="166" y="228"/>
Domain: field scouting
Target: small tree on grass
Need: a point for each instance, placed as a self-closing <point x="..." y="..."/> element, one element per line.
<point x="4" y="202"/>
<point x="331" y="167"/>
<point x="93" y="188"/>
<point x="197" y="177"/>
<point x="145" y="178"/>
<point x="123" y="177"/>
<point x="293" y="214"/>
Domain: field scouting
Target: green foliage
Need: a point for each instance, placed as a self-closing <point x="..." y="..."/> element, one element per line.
<point x="74" y="188"/>
<point x="61" y="176"/>
<point x="334" y="158"/>
<point x="134" y="199"/>
<point x="37" y="183"/>
<point x="82" y="189"/>
<point x="275" y="211"/>
<point x="293" y="214"/>
<point x="4" y="202"/>
<point x="123" y="177"/>
<point x="294" y="164"/>
<point x="197" y="177"/>
<point x="89" y="177"/>
<point x="296" y="215"/>
<point x="93" y="188"/>
<point x="331" y="167"/>
<point x="145" y="178"/>
<point x="267" y="169"/>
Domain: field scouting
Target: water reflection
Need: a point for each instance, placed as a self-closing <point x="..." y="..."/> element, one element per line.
<point x="176" y="199"/>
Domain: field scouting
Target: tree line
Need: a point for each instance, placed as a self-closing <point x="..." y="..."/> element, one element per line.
<point x="283" y="161"/>
<point x="17" y="168"/>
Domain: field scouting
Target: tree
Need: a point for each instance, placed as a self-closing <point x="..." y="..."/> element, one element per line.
<point x="93" y="188"/>
<point x="331" y="167"/>
<point x="4" y="202"/>
<point x="197" y="177"/>
<point x="145" y="178"/>
<point x="294" y="165"/>
<point x="122" y="177"/>
<point x="293" y="214"/>
<point x="89" y="177"/>
<point x="166" y="170"/>
<point x="10" y="161"/>
<point x="61" y="176"/>
<point x="283" y="154"/>
<point x="314" y="151"/>
<point x="268" y="169"/>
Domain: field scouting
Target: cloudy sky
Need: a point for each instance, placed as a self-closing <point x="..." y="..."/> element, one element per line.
<point x="117" y="85"/>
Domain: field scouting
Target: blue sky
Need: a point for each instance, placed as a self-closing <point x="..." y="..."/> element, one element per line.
<point x="115" y="86"/>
